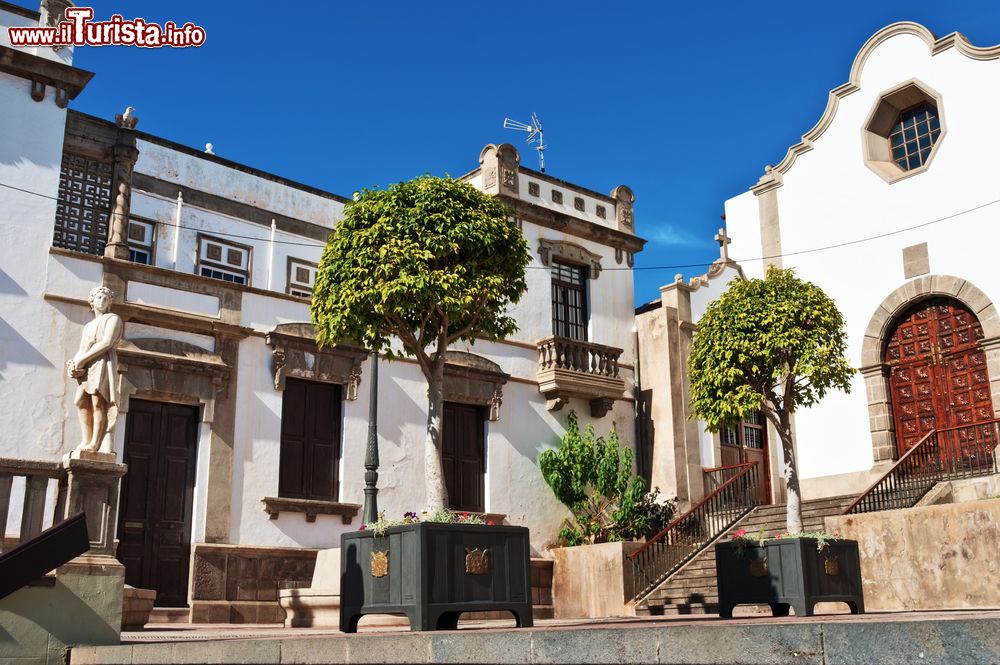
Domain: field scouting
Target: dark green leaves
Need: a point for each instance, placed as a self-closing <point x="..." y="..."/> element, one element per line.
<point x="421" y="259"/>
<point x="761" y="337"/>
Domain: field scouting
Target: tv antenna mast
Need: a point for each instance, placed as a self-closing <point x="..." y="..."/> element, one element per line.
<point x="534" y="129"/>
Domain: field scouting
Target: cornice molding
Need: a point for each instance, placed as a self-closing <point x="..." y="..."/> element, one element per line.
<point x="954" y="40"/>
<point x="66" y="80"/>
<point x="573" y="225"/>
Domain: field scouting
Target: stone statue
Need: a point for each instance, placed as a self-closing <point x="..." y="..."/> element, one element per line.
<point x="95" y="367"/>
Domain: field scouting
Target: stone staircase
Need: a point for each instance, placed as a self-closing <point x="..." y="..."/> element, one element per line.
<point x="692" y="590"/>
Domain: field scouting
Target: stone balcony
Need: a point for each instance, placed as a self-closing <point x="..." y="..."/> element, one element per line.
<point x="575" y="368"/>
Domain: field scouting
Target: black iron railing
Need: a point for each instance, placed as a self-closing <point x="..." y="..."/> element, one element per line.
<point x="946" y="454"/>
<point x="690" y="533"/>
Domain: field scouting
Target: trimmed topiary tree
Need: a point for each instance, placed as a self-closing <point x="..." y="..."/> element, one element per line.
<point x="426" y="262"/>
<point x="774" y="344"/>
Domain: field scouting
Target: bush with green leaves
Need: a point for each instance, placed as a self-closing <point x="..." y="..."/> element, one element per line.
<point x="593" y="477"/>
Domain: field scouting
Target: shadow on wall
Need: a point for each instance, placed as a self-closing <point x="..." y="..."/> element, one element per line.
<point x="645" y="436"/>
<point x="9" y="287"/>
<point x="16" y="347"/>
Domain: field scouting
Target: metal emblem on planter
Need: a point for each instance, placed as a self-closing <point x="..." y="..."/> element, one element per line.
<point x="380" y="563"/>
<point x="758" y="567"/>
<point x="831" y="566"/>
<point x="477" y="562"/>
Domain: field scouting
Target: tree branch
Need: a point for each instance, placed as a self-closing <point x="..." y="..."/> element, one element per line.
<point x="399" y="328"/>
<point x="474" y="320"/>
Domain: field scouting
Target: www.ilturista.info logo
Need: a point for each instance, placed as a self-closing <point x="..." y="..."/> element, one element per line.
<point x="77" y="29"/>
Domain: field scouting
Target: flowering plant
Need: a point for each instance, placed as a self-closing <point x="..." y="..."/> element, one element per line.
<point x="742" y="540"/>
<point x="383" y="524"/>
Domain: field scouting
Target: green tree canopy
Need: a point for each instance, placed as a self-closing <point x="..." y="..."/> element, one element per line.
<point x="773" y="344"/>
<point x="428" y="262"/>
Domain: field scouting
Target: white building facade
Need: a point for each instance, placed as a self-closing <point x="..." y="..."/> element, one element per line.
<point x="890" y="205"/>
<point x="245" y="443"/>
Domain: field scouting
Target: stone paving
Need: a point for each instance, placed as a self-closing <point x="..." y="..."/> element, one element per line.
<point x="946" y="638"/>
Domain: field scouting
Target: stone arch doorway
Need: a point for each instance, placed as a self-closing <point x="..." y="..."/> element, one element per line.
<point x="882" y="326"/>
<point x="937" y="370"/>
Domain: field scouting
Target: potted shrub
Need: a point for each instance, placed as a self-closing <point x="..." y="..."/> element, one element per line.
<point x="775" y="344"/>
<point x="592" y="476"/>
<point x="409" y="271"/>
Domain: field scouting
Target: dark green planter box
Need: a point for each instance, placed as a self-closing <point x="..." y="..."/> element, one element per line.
<point x="789" y="572"/>
<point x="430" y="575"/>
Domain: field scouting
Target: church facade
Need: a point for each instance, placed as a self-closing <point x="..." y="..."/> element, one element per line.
<point x="244" y="442"/>
<point x="890" y="206"/>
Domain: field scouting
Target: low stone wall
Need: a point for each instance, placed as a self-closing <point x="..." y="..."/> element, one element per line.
<point x="239" y="584"/>
<point x="931" y="557"/>
<point x="589" y="580"/>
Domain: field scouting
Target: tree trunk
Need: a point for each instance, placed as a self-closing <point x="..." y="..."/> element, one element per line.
<point x="793" y="515"/>
<point x="436" y="490"/>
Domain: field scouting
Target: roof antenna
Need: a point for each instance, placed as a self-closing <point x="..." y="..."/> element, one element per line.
<point x="534" y="130"/>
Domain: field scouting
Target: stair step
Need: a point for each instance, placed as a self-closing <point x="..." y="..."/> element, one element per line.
<point x="692" y="588"/>
<point x="170" y="615"/>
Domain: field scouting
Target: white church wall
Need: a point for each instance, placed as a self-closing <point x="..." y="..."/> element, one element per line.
<point x="743" y="226"/>
<point x="830" y="197"/>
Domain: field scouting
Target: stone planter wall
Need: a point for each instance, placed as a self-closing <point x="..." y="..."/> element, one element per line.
<point x="239" y="584"/>
<point x="928" y="558"/>
<point x="589" y="580"/>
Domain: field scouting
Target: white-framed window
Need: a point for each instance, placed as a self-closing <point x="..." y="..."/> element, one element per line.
<point x="301" y="278"/>
<point x="141" y="237"/>
<point x="221" y="259"/>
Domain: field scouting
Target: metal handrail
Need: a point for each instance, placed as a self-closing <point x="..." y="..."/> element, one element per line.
<point x="939" y="455"/>
<point x="690" y="533"/>
<point x="724" y="473"/>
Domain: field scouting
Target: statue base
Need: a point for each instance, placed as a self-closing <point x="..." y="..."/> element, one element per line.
<point x="91" y="486"/>
<point x="90" y="456"/>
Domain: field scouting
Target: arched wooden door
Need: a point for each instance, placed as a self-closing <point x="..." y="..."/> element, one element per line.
<point x="938" y="373"/>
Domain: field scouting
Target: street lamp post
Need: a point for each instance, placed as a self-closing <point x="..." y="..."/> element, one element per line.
<point x="370" y="512"/>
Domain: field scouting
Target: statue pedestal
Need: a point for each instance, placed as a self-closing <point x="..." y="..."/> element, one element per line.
<point x="91" y="487"/>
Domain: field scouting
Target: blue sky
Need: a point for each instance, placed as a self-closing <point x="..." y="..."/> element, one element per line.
<point x="685" y="103"/>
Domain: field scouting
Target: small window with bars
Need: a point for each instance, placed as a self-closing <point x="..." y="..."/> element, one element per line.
<point x="301" y="278"/>
<point x="223" y="260"/>
<point x="914" y="135"/>
<point x="569" y="301"/>
<point x="141" y="235"/>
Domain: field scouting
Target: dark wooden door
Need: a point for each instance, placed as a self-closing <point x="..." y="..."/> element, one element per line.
<point x="310" y="440"/>
<point x="154" y="519"/>
<point x="463" y="456"/>
<point x="748" y="443"/>
<point x="938" y="376"/>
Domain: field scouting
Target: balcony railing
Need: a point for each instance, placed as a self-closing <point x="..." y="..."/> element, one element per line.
<point x="946" y="454"/>
<point x="37" y="475"/>
<point x="576" y="368"/>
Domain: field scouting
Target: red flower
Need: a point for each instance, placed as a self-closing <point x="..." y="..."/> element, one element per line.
<point x="363" y="527"/>
<point x="740" y="533"/>
<point x="489" y="522"/>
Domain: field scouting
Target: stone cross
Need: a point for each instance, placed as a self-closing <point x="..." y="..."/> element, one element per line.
<point x="723" y="241"/>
